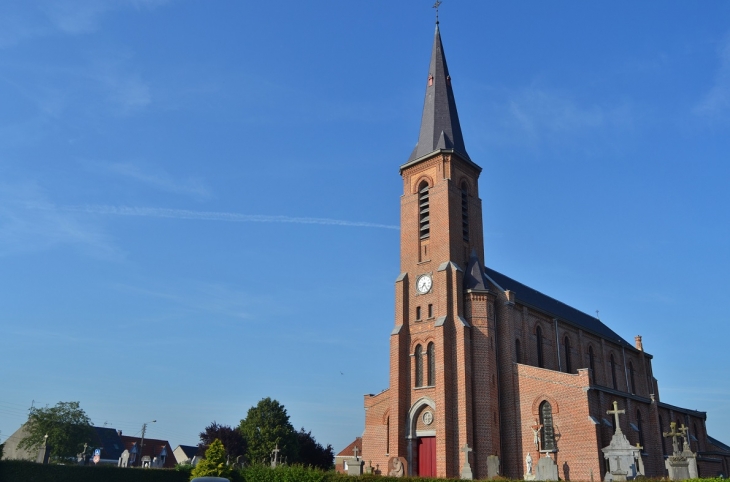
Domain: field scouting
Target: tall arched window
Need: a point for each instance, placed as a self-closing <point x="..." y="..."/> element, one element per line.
<point x="568" y="367"/>
<point x="661" y="430"/>
<point x="538" y="335"/>
<point x="518" y="351"/>
<point x="548" y="431"/>
<point x="631" y="377"/>
<point x="640" y="426"/>
<point x="431" y="356"/>
<point x="424" y="224"/>
<point x="613" y="373"/>
<point x="465" y="211"/>
<point x="697" y="436"/>
<point x="419" y="366"/>
<point x="592" y="363"/>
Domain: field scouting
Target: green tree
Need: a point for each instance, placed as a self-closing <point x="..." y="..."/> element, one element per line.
<point x="66" y="425"/>
<point x="266" y="425"/>
<point x="214" y="463"/>
<point x="312" y="453"/>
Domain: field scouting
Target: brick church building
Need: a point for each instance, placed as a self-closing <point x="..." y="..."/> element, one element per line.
<point x="478" y="359"/>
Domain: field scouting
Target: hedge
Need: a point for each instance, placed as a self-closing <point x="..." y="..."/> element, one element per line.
<point x="22" y="471"/>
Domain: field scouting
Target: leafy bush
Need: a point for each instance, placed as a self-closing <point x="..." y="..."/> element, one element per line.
<point x="214" y="463"/>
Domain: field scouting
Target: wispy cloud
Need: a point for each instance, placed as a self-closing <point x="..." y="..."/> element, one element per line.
<point x="19" y="22"/>
<point x="216" y="216"/>
<point x="152" y="176"/>
<point x="717" y="101"/>
<point x="29" y="222"/>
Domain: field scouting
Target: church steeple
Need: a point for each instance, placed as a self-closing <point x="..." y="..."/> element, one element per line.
<point x="440" y="128"/>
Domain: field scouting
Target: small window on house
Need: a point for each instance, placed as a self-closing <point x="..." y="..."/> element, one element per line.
<point x="431" y="357"/>
<point x="538" y="335"/>
<point x="568" y="367"/>
<point x="592" y="364"/>
<point x="418" y="312"/>
<point x="419" y="366"/>
<point x="430" y="311"/>
<point x="464" y="211"/>
<point x="631" y="378"/>
<point x="548" y="431"/>
<point x="613" y="373"/>
<point x="424" y="224"/>
<point x="518" y="351"/>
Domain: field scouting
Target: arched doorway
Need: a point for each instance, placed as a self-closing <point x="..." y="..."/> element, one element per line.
<point x="422" y="438"/>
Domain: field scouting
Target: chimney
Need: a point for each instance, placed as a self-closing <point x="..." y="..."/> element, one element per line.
<point x="119" y="432"/>
<point x="637" y="341"/>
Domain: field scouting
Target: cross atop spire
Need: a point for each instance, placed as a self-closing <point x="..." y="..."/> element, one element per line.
<point x="440" y="128"/>
<point x="436" y="6"/>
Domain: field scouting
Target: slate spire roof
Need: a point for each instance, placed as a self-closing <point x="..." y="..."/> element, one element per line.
<point x="440" y="128"/>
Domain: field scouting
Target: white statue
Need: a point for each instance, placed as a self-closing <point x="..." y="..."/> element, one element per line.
<point x="528" y="460"/>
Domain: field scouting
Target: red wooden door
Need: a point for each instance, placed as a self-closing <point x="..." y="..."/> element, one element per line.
<point x="427" y="456"/>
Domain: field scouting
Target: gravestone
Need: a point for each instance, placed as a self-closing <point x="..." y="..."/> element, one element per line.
<point x="466" y="473"/>
<point x="354" y="466"/>
<point x="529" y="472"/>
<point x="546" y="469"/>
<point x="397" y="467"/>
<point x="622" y="457"/>
<point x="275" y="456"/>
<point x="492" y="466"/>
<point x="676" y="464"/>
<point x="124" y="459"/>
<point x="44" y="453"/>
<point x="687" y="452"/>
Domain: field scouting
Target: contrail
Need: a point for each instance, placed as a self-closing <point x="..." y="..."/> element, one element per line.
<point x="216" y="216"/>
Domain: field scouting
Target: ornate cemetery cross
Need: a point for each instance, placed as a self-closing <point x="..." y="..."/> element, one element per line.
<point x="355" y="451"/>
<point x="674" y="434"/>
<point x="683" y="431"/>
<point x="276" y="455"/>
<point x="616" y="412"/>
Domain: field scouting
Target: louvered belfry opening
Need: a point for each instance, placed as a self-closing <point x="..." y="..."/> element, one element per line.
<point x="465" y="212"/>
<point x="423" y="211"/>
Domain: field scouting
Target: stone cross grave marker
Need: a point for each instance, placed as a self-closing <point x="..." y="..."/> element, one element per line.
<point x="674" y="434"/>
<point x="683" y="432"/>
<point x="355" y="451"/>
<point x="616" y="412"/>
<point x="466" y="472"/>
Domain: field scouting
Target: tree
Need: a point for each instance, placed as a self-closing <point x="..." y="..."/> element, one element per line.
<point x="66" y="425"/>
<point x="214" y="463"/>
<point x="265" y="426"/>
<point x="312" y="453"/>
<point x="231" y="439"/>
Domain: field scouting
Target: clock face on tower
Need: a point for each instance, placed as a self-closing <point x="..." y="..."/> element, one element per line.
<point x="423" y="284"/>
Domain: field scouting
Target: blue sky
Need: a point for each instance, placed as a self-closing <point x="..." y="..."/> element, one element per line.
<point x="199" y="201"/>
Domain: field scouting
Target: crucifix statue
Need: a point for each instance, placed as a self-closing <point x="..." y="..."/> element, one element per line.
<point x="683" y="431"/>
<point x="536" y="435"/>
<point x="355" y="451"/>
<point x="616" y="412"/>
<point x="674" y="434"/>
<point x="275" y="456"/>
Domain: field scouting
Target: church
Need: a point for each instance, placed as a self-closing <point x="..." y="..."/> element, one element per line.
<point x="487" y="374"/>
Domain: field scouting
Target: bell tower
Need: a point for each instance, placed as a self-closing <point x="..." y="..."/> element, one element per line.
<point x="443" y="400"/>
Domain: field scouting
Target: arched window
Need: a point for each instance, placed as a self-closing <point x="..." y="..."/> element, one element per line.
<point x="631" y="377"/>
<point x="387" y="436"/>
<point x="697" y="436"/>
<point x="613" y="373"/>
<point x="465" y="211"/>
<point x="424" y="224"/>
<point x="548" y="431"/>
<point x="431" y="356"/>
<point x="640" y="426"/>
<point x="592" y="363"/>
<point x="518" y="351"/>
<point x="419" y="366"/>
<point x="661" y="430"/>
<point x="538" y="335"/>
<point x="568" y="367"/>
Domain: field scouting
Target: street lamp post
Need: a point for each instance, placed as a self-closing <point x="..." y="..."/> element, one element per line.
<point x="141" y="443"/>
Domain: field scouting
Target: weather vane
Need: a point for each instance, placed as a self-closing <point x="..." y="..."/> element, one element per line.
<point x="436" y="6"/>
